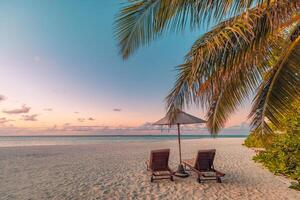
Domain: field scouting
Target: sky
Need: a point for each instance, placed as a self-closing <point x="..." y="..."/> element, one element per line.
<point x="61" y="72"/>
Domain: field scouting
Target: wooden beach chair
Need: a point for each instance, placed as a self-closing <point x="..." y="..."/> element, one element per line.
<point x="203" y="165"/>
<point x="158" y="165"/>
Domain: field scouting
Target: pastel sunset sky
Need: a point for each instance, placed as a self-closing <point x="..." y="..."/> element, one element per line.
<point x="61" y="72"/>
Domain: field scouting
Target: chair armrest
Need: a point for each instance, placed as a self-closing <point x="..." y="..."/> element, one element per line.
<point x="189" y="162"/>
<point x="220" y="174"/>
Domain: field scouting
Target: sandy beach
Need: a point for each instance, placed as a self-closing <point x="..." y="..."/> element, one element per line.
<point x="116" y="170"/>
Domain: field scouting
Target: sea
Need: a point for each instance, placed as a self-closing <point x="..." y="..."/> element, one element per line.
<point x="13" y="141"/>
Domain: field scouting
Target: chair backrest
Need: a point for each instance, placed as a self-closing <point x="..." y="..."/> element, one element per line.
<point x="205" y="160"/>
<point x="159" y="159"/>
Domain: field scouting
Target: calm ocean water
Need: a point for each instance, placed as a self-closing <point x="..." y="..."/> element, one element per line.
<point x="10" y="141"/>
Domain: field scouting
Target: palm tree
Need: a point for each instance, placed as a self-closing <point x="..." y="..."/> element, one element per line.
<point x="253" y="49"/>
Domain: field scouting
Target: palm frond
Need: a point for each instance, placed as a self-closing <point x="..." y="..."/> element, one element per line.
<point x="182" y="94"/>
<point x="224" y="91"/>
<point x="230" y="97"/>
<point x="248" y="30"/>
<point x="141" y="21"/>
<point x="239" y="84"/>
<point x="227" y="62"/>
<point x="135" y="25"/>
<point x="281" y="87"/>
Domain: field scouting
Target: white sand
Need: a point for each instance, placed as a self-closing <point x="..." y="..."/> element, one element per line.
<point x="116" y="170"/>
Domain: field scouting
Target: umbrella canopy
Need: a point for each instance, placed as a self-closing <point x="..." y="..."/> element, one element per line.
<point x="181" y="118"/>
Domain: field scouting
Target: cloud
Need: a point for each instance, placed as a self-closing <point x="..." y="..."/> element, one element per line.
<point x="2" y="97"/>
<point x="117" y="109"/>
<point x="76" y="112"/>
<point x="23" y="109"/>
<point x="91" y="119"/>
<point x="30" y="117"/>
<point x="3" y="120"/>
<point x="80" y="128"/>
<point x="48" y="109"/>
<point x="241" y="126"/>
<point x="53" y="128"/>
<point x="81" y="119"/>
<point x="69" y="128"/>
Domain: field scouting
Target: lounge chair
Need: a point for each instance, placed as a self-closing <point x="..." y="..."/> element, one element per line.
<point x="158" y="165"/>
<point x="203" y="166"/>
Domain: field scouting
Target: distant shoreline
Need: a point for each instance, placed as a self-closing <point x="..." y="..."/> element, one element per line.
<point x="35" y="140"/>
<point x="141" y="136"/>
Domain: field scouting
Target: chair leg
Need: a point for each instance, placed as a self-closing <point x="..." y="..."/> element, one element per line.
<point x="152" y="179"/>
<point x="219" y="180"/>
<point x="199" y="179"/>
<point x="172" y="178"/>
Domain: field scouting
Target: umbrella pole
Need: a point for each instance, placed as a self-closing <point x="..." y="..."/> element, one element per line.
<point x="179" y="142"/>
<point x="180" y="171"/>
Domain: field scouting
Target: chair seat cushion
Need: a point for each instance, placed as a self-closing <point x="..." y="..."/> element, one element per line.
<point x="209" y="174"/>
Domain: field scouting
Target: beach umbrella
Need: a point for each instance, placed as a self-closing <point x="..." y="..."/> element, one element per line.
<point x="181" y="118"/>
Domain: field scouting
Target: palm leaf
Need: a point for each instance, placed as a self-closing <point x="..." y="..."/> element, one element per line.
<point x="181" y="94"/>
<point x="237" y="34"/>
<point x="141" y="21"/>
<point x="281" y="86"/>
<point x="221" y="59"/>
